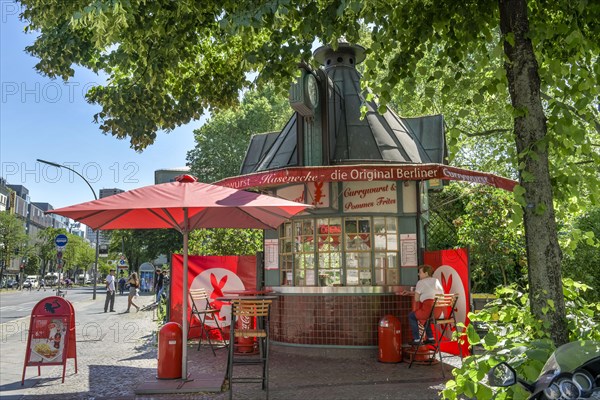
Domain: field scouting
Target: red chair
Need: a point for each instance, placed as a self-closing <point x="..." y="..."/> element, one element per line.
<point x="443" y="319"/>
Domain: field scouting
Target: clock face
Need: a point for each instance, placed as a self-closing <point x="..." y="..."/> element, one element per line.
<point x="312" y="89"/>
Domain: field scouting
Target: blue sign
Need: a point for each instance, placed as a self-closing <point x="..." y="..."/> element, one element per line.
<point x="61" y="240"/>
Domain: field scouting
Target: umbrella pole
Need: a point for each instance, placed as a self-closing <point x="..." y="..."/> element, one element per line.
<point x="184" y="322"/>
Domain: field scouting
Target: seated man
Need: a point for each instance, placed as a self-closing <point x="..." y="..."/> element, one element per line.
<point x="425" y="291"/>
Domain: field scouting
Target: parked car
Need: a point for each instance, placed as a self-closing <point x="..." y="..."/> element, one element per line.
<point x="10" y="284"/>
<point x="31" y="283"/>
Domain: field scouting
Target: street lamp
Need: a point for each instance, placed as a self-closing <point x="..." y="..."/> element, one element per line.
<point x="95" y="198"/>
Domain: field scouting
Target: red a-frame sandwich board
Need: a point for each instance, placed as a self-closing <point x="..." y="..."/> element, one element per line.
<point x="51" y="339"/>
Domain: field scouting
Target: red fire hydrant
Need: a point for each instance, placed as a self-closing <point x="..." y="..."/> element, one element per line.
<point x="390" y="339"/>
<point x="170" y="337"/>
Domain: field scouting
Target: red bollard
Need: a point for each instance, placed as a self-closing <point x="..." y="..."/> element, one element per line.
<point x="170" y="338"/>
<point x="390" y="339"/>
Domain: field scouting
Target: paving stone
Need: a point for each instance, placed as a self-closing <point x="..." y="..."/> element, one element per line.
<point x="117" y="352"/>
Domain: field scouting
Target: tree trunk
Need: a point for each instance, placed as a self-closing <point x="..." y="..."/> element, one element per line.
<point x="543" y="252"/>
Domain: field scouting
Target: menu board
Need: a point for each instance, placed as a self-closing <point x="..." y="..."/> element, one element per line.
<point x="371" y="197"/>
<point x="51" y="339"/>
<point x="271" y="254"/>
<point x="408" y="250"/>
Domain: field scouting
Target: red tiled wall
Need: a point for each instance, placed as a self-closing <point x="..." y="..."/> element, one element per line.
<point x="336" y="320"/>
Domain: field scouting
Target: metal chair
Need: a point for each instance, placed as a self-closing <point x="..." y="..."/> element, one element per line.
<point x="202" y="310"/>
<point x="247" y="311"/>
<point x="442" y="317"/>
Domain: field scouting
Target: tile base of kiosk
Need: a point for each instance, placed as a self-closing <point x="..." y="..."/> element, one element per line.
<point x="336" y="317"/>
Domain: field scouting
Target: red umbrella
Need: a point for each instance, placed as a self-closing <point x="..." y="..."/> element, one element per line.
<point x="183" y="205"/>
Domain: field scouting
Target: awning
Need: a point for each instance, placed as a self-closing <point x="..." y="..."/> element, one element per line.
<point x="387" y="172"/>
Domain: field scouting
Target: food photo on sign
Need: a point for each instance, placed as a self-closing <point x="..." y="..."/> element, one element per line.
<point x="48" y="340"/>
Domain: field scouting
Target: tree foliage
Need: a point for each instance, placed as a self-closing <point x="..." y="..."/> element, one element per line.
<point x="12" y="237"/>
<point x="78" y="254"/>
<point x="46" y="248"/>
<point x="497" y="250"/>
<point x="144" y="245"/>
<point x="513" y="334"/>
<point x="224" y="242"/>
<point x="168" y="61"/>
<point x="221" y="143"/>
<point x="583" y="263"/>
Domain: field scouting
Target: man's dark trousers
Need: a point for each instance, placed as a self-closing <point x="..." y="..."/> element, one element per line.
<point x="110" y="298"/>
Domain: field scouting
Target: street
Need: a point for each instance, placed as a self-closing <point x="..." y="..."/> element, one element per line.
<point x="95" y="330"/>
<point x="15" y="304"/>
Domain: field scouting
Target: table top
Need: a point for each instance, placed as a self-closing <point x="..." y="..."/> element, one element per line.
<point x="238" y="297"/>
<point x="248" y="292"/>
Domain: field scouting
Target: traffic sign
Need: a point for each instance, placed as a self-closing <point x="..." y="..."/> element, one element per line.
<point x="103" y="250"/>
<point x="59" y="254"/>
<point x="61" y="240"/>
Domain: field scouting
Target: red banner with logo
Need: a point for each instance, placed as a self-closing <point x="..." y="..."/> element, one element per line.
<point x="396" y="172"/>
<point x="216" y="274"/>
<point x="452" y="270"/>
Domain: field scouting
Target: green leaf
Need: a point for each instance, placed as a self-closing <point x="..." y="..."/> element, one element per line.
<point x="490" y="339"/>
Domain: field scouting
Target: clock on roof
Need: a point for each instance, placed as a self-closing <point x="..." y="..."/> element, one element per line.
<point x="304" y="94"/>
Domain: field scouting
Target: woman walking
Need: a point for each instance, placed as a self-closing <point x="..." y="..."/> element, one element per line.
<point x="134" y="284"/>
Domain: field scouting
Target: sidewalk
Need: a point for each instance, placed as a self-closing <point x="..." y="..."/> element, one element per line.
<point x="117" y="352"/>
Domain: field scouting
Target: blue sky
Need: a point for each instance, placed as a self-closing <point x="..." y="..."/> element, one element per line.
<point x="50" y="120"/>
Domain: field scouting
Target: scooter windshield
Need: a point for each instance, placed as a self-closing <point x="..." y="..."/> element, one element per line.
<point x="570" y="356"/>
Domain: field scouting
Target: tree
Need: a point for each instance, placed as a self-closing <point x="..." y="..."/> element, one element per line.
<point x="77" y="255"/>
<point x="144" y="245"/>
<point x="497" y="251"/>
<point x="166" y="61"/>
<point x="224" y="242"/>
<point x="46" y="248"/>
<point x="228" y="133"/>
<point x="583" y="264"/>
<point x="12" y="237"/>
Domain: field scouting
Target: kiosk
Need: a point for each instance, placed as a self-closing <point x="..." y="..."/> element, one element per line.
<point x="341" y="266"/>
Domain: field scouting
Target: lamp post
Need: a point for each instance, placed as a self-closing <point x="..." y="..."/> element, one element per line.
<point x="95" y="198"/>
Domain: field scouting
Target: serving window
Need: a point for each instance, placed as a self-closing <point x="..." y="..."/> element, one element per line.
<point x="340" y="251"/>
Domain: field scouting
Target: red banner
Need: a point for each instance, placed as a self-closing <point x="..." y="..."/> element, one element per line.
<point x="215" y="274"/>
<point x="395" y="172"/>
<point x="452" y="270"/>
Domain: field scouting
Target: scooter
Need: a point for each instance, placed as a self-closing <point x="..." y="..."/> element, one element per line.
<point x="571" y="372"/>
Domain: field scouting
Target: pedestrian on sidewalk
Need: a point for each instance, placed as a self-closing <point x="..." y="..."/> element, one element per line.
<point x="122" y="282"/>
<point x="134" y="284"/>
<point x="158" y="284"/>
<point x="110" y="291"/>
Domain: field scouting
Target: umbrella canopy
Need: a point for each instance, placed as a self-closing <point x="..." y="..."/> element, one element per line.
<point x="183" y="205"/>
<point x="162" y="206"/>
